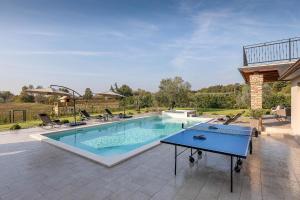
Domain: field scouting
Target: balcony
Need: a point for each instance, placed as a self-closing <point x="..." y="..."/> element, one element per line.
<point x="271" y="59"/>
<point x="287" y="50"/>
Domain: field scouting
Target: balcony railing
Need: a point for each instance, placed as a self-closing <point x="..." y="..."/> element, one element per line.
<point x="281" y="50"/>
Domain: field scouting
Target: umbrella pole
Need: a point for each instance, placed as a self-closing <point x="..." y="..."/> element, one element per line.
<point x="123" y="106"/>
<point x="74" y="102"/>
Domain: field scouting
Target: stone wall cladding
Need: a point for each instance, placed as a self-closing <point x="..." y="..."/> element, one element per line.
<point x="256" y="87"/>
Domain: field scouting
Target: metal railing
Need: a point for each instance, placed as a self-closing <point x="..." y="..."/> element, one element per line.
<point x="281" y="50"/>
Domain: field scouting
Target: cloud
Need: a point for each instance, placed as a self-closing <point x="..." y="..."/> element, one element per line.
<point x="40" y="33"/>
<point x="65" y="52"/>
<point x="202" y="40"/>
<point x="219" y="29"/>
<point x="144" y="25"/>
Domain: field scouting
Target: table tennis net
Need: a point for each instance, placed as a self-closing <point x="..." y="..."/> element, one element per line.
<point x="221" y="130"/>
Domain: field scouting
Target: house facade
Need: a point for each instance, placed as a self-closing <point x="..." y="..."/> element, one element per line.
<point x="270" y="62"/>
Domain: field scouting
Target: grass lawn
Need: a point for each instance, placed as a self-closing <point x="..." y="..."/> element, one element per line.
<point x="217" y="111"/>
<point x="35" y="123"/>
<point x="208" y="111"/>
<point x="223" y="111"/>
<point x="32" y="123"/>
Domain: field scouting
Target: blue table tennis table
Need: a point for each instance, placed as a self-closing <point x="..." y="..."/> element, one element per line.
<point x="230" y="140"/>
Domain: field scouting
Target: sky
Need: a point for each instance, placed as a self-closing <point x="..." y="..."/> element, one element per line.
<point x="95" y="43"/>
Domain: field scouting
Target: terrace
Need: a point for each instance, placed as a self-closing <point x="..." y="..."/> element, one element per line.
<point x="35" y="170"/>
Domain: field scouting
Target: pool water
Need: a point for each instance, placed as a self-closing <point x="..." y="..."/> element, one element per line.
<point x="121" y="137"/>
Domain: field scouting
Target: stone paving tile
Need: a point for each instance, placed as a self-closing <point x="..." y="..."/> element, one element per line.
<point x="139" y="196"/>
<point x="34" y="170"/>
<point x="166" y="193"/>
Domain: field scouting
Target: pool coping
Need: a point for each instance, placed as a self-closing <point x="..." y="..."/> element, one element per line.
<point x="106" y="161"/>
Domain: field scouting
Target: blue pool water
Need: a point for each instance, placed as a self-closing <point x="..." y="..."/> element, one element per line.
<point x="121" y="137"/>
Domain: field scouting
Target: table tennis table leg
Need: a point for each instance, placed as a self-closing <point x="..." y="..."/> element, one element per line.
<point x="175" y="168"/>
<point x="231" y="185"/>
<point x="251" y="146"/>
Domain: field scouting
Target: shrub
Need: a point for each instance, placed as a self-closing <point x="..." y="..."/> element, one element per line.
<point x="230" y="115"/>
<point x="273" y="100"/>
<point x="15" y="127"/>
<point x="199" y="111"/>
<point x="256" y="113"/>
<point x="214" y="100"/>
<point x="64" y="121"/>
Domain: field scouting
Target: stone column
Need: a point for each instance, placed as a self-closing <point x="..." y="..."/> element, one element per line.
<point x="256" y="86"/>
<point x="295" y="106"/>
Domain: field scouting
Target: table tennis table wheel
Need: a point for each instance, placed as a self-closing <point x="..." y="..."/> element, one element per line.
<point x="199" y="155"/>
<point x="239" y="162"/>
<point x="191" y="159"/>
<point x="237" y="168"/>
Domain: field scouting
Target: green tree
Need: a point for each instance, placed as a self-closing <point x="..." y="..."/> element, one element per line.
<point x="143" y="99"/>
<point x="279" y="86"/>
<point x="124" y="90"/>
<point x="24" y="96"/>
<point x="243" y="97"/>
<point x="88" y="94"/>
<point x="214" y="100"/>
<point x="173" y="92"/>
<point x="6" y="96"/>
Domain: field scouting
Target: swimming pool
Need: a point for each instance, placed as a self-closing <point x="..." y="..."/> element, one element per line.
<point x="114" y="142"/>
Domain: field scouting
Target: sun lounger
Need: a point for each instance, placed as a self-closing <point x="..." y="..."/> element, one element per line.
<point x="85" y="115"/>
<point x="109" y="114"/>
<point x="282" y="114"/>
<point x="233" y="119"/>
<point x="124" y="116"/>
<point x="119" y="116"/>
<point x="76" y="124"/>
<point x="47" y="121"/>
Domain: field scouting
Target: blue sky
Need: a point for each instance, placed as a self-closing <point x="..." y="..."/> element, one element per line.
<point x="95" y="43"/>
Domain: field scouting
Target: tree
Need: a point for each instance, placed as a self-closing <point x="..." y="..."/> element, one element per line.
<point x="243" y="98"/>
<point x="88" y="94"/>
<point x="173" y="92"/>
<point x="24" y="96"/>
<point x="143" y="99"/>
<point x="6" y="96"/>
<point x="124" y="90"/>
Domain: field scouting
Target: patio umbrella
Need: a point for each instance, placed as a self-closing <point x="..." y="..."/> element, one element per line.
<point x="73" y="96"/>
<point x="47" y="91"/>
<point x="52" y="91"/>
<point x="112" y="94"/>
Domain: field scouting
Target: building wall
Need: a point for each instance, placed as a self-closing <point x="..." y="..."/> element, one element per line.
<point x="256" y="87"/>
<point x="295" y="101"/>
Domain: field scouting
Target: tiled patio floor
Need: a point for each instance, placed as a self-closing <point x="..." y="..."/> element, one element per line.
<point x="33" y="170"/>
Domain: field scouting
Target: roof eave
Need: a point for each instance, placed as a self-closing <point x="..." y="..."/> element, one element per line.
<point x="291" y="70"/>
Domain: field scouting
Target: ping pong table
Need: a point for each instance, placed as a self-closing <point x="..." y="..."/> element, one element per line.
<point x="230" y="140"/>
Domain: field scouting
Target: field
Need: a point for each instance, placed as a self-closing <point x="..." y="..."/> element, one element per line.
<point x="33" y="109"/>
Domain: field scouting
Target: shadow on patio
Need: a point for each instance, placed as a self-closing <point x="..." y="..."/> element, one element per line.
<point x="273" y="125"/>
